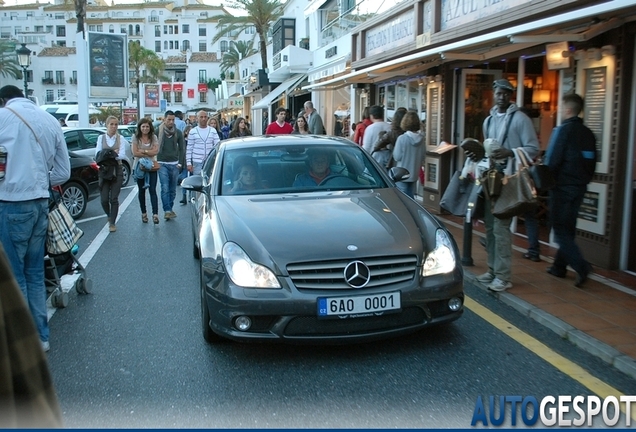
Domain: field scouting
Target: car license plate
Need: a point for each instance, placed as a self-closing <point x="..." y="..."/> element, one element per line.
<point x="359" y="306"/>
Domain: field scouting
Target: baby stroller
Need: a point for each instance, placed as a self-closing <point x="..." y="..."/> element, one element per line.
<point x="61" y="262"/>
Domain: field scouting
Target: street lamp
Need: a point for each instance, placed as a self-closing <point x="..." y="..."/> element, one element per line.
<point x="24" y="60"/>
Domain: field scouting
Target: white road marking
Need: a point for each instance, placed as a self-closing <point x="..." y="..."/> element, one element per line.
<point x="67" y="282"/>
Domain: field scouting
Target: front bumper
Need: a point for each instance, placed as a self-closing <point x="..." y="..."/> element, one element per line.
<point x="290" y="315"/>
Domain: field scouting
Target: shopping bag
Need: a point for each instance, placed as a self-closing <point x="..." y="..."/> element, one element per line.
<point x="518" y="194"/>
<point x="62" y="232"/>
<point x="457" y="194"/>
<point x="542" y="177"/>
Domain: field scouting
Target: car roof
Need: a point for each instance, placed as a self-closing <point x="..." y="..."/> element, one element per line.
<point x="96" y="128"/>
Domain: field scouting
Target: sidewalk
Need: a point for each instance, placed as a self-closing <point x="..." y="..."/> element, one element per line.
<point x="599" y="317"/>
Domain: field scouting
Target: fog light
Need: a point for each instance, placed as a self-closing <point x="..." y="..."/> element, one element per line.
<point x="243" y="323"/>
<point x="455" y="304"/>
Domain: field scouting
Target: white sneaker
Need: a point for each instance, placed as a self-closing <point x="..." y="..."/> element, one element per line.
<point x="498" y="285"/>
<point x="46" y="346"/>
<point x="486" y="278"/>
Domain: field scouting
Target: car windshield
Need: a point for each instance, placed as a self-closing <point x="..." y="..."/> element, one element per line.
<point x="297" y="169"/>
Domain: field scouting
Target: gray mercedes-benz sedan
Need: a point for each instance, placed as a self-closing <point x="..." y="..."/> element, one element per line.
<point x="307" y="239"/>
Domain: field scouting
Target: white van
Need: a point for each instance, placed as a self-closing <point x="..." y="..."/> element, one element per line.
<point x="67" y="111"/>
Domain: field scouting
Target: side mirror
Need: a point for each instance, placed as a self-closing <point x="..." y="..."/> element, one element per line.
<point x="193" y="183"/>
<point x="398" y="173"/>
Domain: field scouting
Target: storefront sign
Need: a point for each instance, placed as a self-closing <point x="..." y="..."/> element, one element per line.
<point x="554" y="56"/>
<point x="395" y="33"/>
<point x="202" y="87"/>
<point x="177" y="87"/>
<point x="166" y="87"/>
<point x="591" y="215"/>
<point x="151" y="97"/>
<point x="433" y="124"/>
<point x="235" y="102"/>
<point x="190" y="93"/>
<point x="130" y="115"/>
<point x="595" y="105"/>
<point x="466" y="12"/>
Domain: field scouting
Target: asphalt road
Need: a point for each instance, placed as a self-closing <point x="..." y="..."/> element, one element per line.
<point x="131" y="354"/>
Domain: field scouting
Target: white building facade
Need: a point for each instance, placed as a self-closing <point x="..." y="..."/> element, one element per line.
<point x="179" y="32"/>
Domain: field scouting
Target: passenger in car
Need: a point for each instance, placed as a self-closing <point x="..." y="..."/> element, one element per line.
<point x="318" y="169"/>
<point x="246" y="176"/>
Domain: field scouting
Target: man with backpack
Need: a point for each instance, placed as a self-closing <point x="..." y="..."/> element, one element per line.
<point x="510" y="129"/>
<point x="571" y="157"/>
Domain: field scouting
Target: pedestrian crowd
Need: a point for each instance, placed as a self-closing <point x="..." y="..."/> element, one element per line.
<point x="176" y="148"/>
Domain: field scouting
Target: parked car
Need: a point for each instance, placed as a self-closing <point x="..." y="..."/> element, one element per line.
<point x="84" y="140"/>
<point x="350" y="259"/>
<point x="82" y="186"/>
<point x="127" y="131"/>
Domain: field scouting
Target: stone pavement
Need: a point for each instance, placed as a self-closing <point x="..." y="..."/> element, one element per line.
<point x="599" y="317"/>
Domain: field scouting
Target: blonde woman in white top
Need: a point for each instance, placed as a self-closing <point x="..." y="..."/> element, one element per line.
<point x="110" y="187"/>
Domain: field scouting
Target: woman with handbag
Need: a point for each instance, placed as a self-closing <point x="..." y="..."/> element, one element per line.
<point x="111" y="178"/>
<point x="145" y="144"/>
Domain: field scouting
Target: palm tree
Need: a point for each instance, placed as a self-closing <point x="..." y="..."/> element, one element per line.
<point x="140" y="58"/>
<point x="261" y="14"/>
<point x="9" y="66"/>
<point x="238" y="50"/>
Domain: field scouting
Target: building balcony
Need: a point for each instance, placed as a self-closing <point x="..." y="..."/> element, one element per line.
<point x="47" y="81"/>
<point x="72" y="81"/>
<point x="289" y="61"/>
<point x="60" y="81"/>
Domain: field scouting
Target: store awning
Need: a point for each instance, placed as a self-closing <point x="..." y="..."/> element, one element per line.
<point x="277" y="93"/>
<point x="509" y="40"/>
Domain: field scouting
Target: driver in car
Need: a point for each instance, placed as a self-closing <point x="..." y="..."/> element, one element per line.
<point x="318" y="169"/>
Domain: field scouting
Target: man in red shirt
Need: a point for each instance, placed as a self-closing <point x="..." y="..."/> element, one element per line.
<point x="280" y="126"/>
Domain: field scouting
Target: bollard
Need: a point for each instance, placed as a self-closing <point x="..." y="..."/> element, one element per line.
<point x="467" y="259"/>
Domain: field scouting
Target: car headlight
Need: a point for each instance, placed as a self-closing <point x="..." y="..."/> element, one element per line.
<point x="441" y="259"/>
<point x="244" y="272"/>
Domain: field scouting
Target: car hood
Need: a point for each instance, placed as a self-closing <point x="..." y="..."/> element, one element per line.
<point x="322" y="226"/>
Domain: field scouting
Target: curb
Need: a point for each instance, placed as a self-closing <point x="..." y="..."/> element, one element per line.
<point x="587" y="343"/>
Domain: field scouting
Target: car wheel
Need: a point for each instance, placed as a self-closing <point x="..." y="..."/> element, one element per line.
<point x="126" y="171"/>
<point x="208" y="334"/>
<point x="75" y="198"/>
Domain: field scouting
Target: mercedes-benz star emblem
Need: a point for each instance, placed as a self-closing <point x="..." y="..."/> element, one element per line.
<point x="357" y="274"/>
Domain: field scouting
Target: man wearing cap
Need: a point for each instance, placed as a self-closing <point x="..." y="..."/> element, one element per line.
<point x="511" y="129"/>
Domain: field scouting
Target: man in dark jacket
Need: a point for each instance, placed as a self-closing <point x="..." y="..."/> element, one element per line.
<point x="571" y="156"/>
<point x="171" y="157"/>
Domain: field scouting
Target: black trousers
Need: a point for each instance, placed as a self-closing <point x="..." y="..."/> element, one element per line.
<point x="565" y="202"/>
<point x="109" y="195"/>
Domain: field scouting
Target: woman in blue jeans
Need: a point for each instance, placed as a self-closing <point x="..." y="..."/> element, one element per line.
<point x="146" y="145"/>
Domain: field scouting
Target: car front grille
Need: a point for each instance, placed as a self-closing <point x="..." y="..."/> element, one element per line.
<point x="312" y="326"/>
<point x="330" y="274"/>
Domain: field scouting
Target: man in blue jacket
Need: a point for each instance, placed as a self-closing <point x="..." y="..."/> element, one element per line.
<point x="36" y="157"/>
<point x="571" y="157"/>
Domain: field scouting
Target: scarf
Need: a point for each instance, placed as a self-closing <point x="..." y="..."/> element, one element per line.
<point x="169" y="132"/>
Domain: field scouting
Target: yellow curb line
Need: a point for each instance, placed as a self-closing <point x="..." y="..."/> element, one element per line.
<point x="566" y="366"/>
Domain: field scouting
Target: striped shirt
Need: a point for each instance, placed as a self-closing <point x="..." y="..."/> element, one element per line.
<point x="201" y="141"/>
